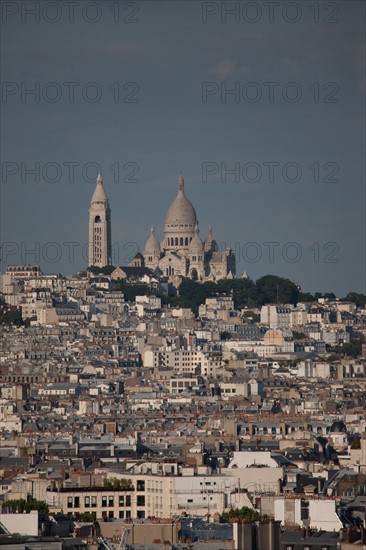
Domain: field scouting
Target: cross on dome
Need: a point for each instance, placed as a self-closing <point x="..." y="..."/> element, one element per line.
<point x="181" y="184"/>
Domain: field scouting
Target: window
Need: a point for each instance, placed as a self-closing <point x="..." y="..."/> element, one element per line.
<point x="128" y="500"/>
<point x="140" y="500"/>
<point x="110" y="501"/>
<point x="69" y="502"/>
<point x="140" y="485"/>
<point x="122" y="515"/>
<point x="77" y="502"/>
<point x="140" y="514"/>
<point x="93" y="502"/>
<point x="111" y="514"/>
<point x="104" y="502"/>
<point x="87" y="502"/>
<point x="121" y="500"/>
<point x="128" y="514"/>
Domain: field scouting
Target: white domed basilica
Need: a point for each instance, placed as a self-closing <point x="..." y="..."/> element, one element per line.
<point x="182" y="251"/>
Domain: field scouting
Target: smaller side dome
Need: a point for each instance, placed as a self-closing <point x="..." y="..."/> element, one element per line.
<point x="152" y="246"/>
<point x="338" y="427"/>
<point x="196" y="244"/>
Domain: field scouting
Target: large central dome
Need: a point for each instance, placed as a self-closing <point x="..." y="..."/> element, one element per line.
<point x="180" y="221"/>
<point x="181" y="210"/>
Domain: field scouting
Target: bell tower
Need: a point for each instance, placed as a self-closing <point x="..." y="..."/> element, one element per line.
<point x="100" y="240"/>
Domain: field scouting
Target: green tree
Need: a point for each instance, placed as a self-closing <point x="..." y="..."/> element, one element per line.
<point x="191" y="294"/>
<point x="131" y="291"/>
<point x="243" y="513"/>
<point x="198" y="370"/>
<point x="351" y="349"/>
<point x="21" y="505"/>
<point x="354" y="442"/>
<point x="105" y="270"/>
<point x="270" y="288"/>
<point x="116" y="483"/>
<point x="329" y="296"/>
<point x="251" y="315"/>
<point x="88" y="517"/>
<point x="245" y="293"/>
<point x="298" y="335"/>
<point x="306" y="297"/>
<point x="194" y="275"/>
<point x="358" y="299"/>
<point x="11" y="318"/>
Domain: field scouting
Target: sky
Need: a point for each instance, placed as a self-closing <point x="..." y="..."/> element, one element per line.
<point x="260" y="105"/>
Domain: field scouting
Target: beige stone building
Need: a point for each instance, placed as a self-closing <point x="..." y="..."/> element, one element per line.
<point x="101" y="502"/>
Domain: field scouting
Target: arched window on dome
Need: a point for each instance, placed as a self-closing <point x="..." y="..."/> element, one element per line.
<point x="186" y="241"/>
<point x="176" y="241"/>
<point x="181" y="241"/>
<point x="194" y="258"/>
<point x="97" y="219"/>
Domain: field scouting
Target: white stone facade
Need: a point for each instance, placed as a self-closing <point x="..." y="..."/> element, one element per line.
<point x="100" y="241"/>
<point x="182" y="252"/>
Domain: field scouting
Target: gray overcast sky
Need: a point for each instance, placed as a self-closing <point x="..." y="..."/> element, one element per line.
<point x="313" y="129"/>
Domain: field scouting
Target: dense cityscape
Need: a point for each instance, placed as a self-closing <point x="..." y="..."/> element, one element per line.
<point x="182" y="275"/>
<point x="171" y="403"/>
